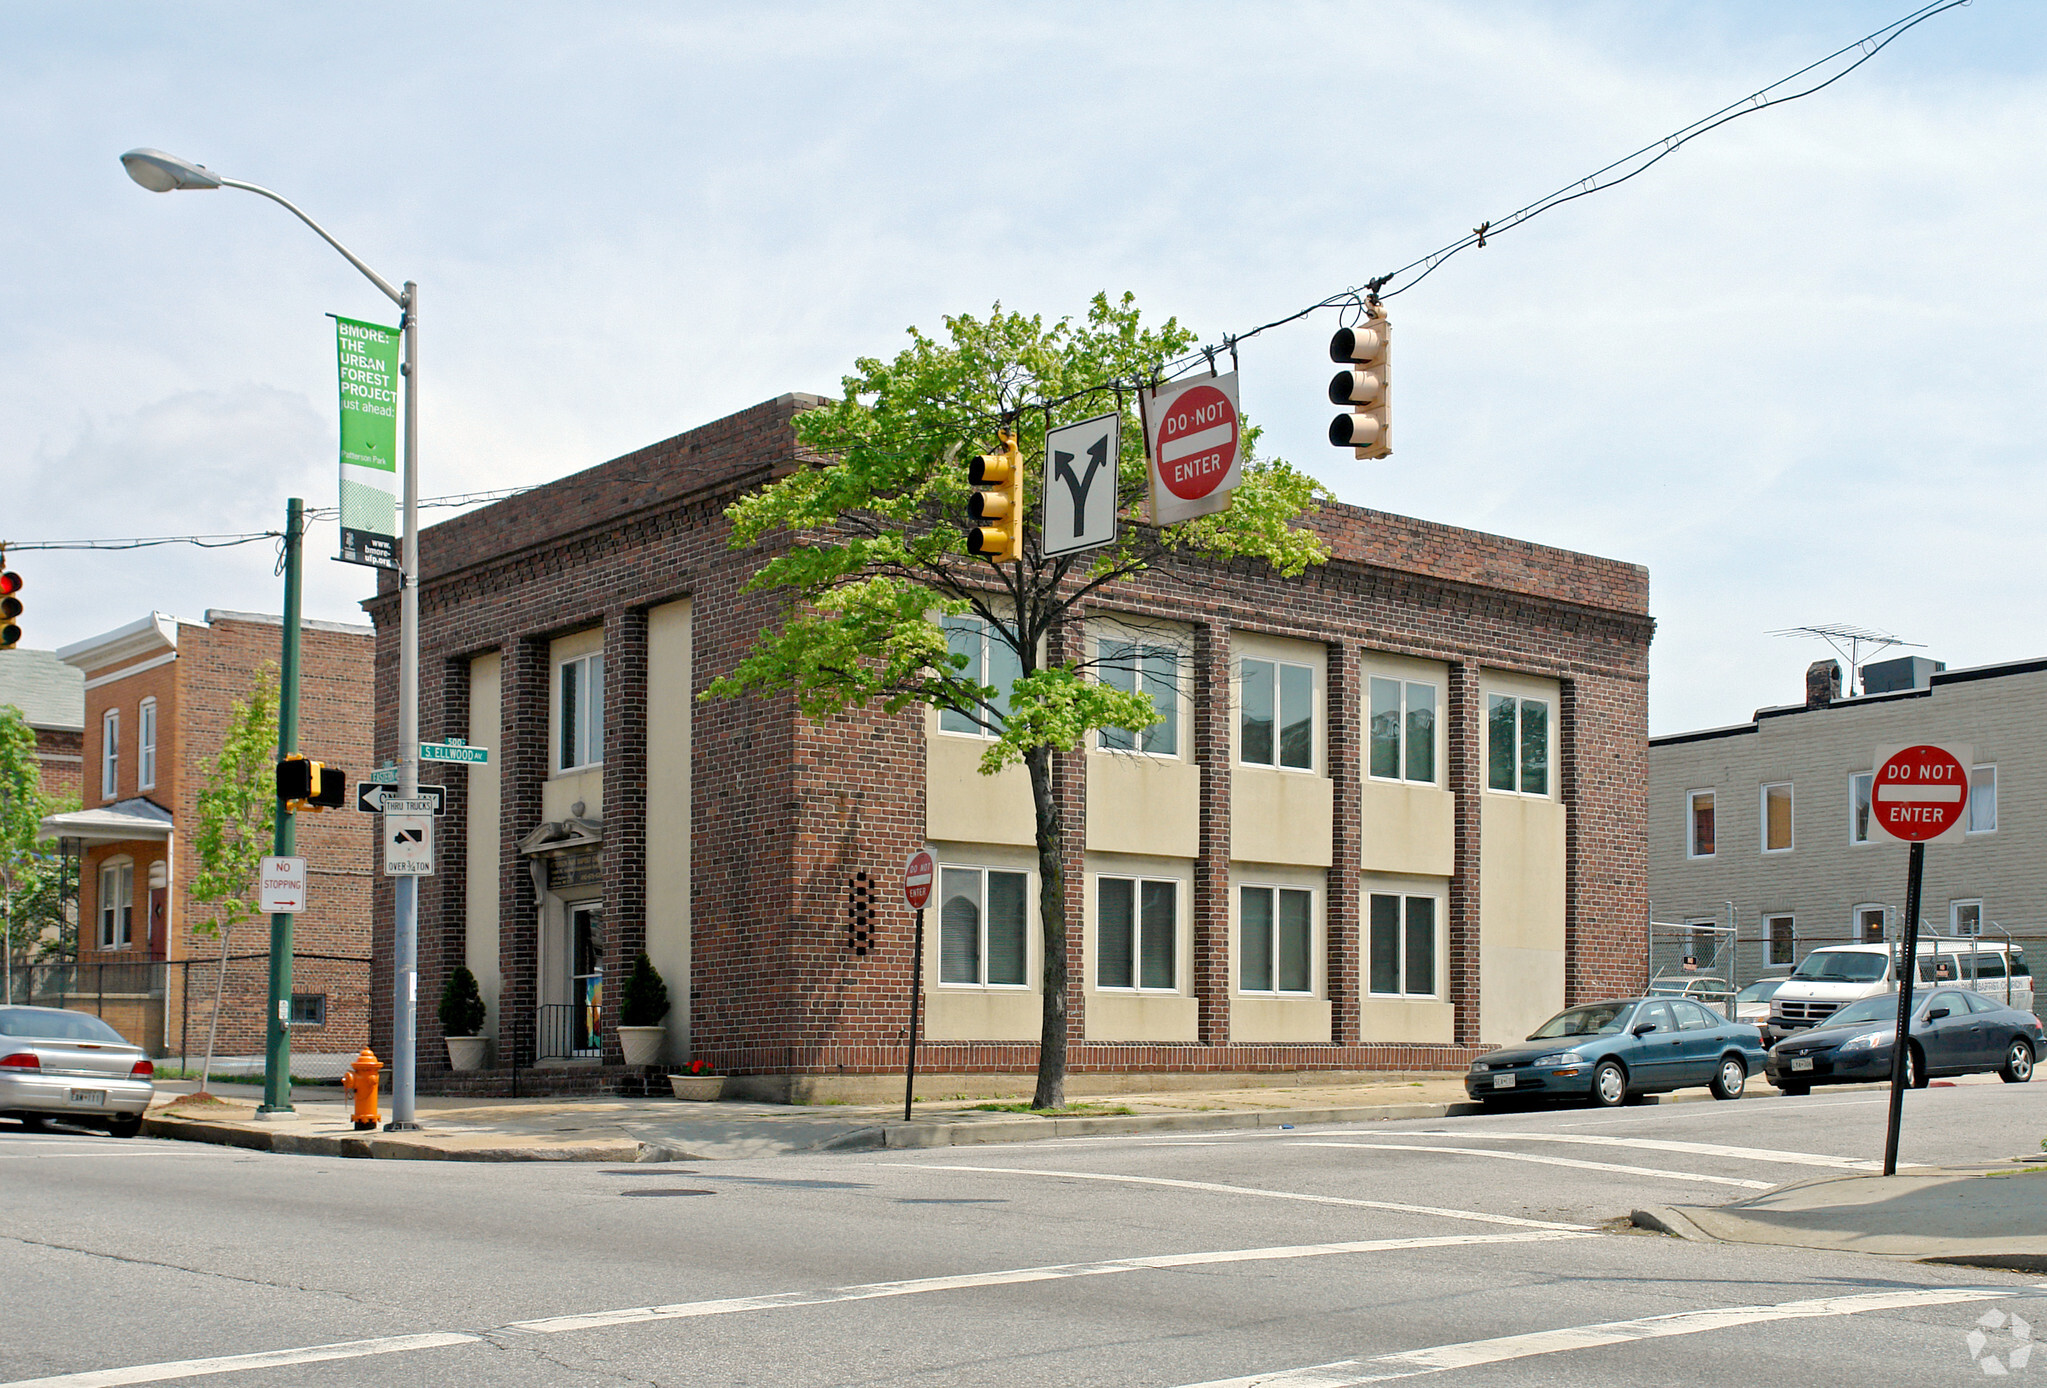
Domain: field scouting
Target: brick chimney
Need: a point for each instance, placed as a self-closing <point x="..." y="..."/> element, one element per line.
<point x="1822" y="683"/>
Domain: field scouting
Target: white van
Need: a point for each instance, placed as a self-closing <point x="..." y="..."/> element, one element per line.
<point x="1829" y="979"/>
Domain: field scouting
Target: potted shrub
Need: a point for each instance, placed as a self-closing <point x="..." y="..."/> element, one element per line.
<point x="697" y="1081"/>
<point x="642" y="1003"/>
<point x="462" y="1014"/>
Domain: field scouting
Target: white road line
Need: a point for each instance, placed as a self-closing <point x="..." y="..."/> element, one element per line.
<point x="553" y="1325"/>
<point x="1217" y="1189"/>
<point x="1653" y="1144"/>
<point x="1376" y="1146"/>
<point x="235" y="1363"/>
<point x="1410" y="1363"/>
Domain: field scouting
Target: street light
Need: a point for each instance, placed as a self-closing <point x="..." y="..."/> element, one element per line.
<point x="166" y="173"/>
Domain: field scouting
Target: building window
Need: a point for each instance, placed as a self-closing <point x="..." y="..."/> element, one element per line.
<point x="1777" y="818"/>
<point x="981" y="928"/>
<point x="1965" y="917"/>
<point x="309" y="1009"/>
<point x="110" y="754"/>
<point x="1278" y="722"/>
<point x="117" y="905"/>
<point x="1153" y="670"/>
<point x="1403" y="946"/>
<point x="1983" y="800"/>
<point x="1403" y="731"/>
<point x="1869" y="925"/>
<point x="145" y="746"/>
<point x="1275" y="928"/>
<point x="1858" y="807"/>
<point x="582" y="712"/>
<point x="1517" y="744"/>
<point x="990" y="661"/>
<point x="1782" y="935"/>
<point x="1699" y="824"/>
<point x="1137" y="933"/>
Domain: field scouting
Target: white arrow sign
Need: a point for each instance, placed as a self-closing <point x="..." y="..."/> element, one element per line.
<point x="1080" y="485"/>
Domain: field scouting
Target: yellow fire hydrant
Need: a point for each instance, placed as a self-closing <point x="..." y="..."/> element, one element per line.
<point x="362" y="1078"/>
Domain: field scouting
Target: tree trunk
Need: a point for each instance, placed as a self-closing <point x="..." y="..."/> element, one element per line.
<point x="213" y="1026"/>
<point x="1051" y="1092"/>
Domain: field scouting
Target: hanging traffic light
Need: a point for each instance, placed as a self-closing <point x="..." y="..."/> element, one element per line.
<point x="997" y="505"/>
<point x="1365" y="386"/>
<point x="309" y="785"/>
<point x="10" y="605"/>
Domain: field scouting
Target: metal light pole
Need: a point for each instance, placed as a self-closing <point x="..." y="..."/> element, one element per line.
<point x="165" y="173"/>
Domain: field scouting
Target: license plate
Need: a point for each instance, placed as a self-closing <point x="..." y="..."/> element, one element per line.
<point x="1503" y="1081"/>
<point x="1802" y="1063"/>
<point x="88" y="1096"/>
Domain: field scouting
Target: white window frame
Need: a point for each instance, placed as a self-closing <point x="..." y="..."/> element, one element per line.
<point x="1770" y="919"/>
<point x="1137" y="934"/>
<point x="110" y="754"/>
<point x="145" y="745"/>
<point x="1549" y="744"/>
<point x="116" y="904"/>
<point x="1860" y="784"/>
<point x="1763" y="818"/>
<point x="982" y="985"/>
<point x="979" y="672"/>
<point x="1954" y="914"/>
<point x="581" y="747"/>
<point x="1279" y="667"/>
<point x="1989" y="771"/>
<point x="1141" y="650"/>
<point x="1692" y="824"/>
<point x="1314" y="941"/>
<point x="1855" y="935"/>
<point x="1402" y="735"/>
<point x="1439" y="927"/>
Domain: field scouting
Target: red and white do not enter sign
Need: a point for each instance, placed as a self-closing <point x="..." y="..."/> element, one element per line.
<point x="1919" y="792"/>
<point x="917" y="875"/>
<point x="1195" y="441"/>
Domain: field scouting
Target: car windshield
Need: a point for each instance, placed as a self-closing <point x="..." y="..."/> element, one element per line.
<point x="1829" y="967"/>
<point x="58" y="1026"/>
<point x="1881" y="1008"/>
<point x="1760" y="992"/>
<point x="1594" y="1019"/>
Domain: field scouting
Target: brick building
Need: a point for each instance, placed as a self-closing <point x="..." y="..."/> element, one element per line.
<point x="51" y="697"/>
<point x="159" y="694"/>
<point x="1396" y="812"/>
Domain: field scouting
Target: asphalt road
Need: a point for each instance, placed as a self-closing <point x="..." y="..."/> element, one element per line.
<point x="1483" y="1250"/>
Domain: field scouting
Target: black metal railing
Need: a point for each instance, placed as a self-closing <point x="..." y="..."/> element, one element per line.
<point x="567" y="1031"/>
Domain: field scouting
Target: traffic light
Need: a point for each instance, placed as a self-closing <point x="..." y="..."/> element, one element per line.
<point x="997" y="505"/>
<point x="308" y="785"/>
<point x="1365" y="386"/>
<point x="10" y="605"/>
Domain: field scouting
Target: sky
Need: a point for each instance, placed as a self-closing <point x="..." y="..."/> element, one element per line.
<point x="1793" y="370"/>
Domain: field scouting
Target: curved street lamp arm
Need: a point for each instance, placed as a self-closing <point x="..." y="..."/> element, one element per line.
<point x="374" y="278"/>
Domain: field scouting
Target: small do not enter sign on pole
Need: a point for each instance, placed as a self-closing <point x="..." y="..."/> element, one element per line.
<point x="917" y="875"/>
<point x="1919" y="793"/>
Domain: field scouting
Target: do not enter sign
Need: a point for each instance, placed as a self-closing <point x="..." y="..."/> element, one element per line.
<point x="917" y="875"/>
<point x="1194" y="437"/>
<point x="1920" y="792"/>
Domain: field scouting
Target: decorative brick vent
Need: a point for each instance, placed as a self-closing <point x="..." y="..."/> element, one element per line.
<point x="859" y="912"/>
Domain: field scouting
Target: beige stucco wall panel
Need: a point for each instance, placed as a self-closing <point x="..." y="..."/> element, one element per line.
<point x="1391" y="1020"/>
<point x="480" y="860"/>
<point x="1521" y="914"/>
<point x="1408" y="829"/>
<point x="963" y="805"/>
<point x="1282" y="817"/>
<point x="669" y="707"/>
<point x="1254" y="1018"/>
<point x="1141" y="804"/>
<point x="1142" y="1017"/>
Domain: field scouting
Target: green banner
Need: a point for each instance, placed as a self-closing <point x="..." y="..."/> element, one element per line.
<point x="367" y="355"/>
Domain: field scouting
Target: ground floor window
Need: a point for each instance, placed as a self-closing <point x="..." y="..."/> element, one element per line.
<point x="1965" y="917"/>
<point x="117" y="905"/>
<point x="1403" y="945"/>
<point x="1276" y="932"/>
<point x="1137" y="931"/>
<point x="983" y="925"/>
<point x="309" y="1009"/>
<point x="1781" y="933"/>
<point x="1869" y="924"/>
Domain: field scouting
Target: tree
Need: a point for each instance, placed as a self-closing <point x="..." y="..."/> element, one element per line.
<point x="876" y="555"/>
<point x="237" y="809"/>
<point x="34" y="871"/>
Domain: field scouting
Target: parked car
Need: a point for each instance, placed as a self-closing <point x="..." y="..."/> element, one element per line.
<point x="1611" y="1052"/>
<point x="1953" y="1032"/>
<point x="1829" y="979"/>
<point x="71" y="1065"/>
<point x="1714" y="992"/>
<point x="1752" y="1004"/>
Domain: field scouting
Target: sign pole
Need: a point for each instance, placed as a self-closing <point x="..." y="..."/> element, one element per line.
<point x="916" y="997"/>
<point x="1908" y="973"/>
<point x="405" y="891"/>
<point x="284" y="838"/>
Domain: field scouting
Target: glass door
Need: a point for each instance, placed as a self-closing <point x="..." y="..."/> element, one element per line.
<point x="586" y="979"/>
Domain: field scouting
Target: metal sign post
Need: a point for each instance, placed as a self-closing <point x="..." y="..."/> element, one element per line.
<point x="917" y="875"/>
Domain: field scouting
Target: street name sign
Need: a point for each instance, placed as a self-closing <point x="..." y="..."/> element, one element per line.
<point x="281" y="886"/>
<point x="1920" y="793"/>
<point x="454" y="751"/>
<point x="1080" y="485"/>
<point x="408" y="845"/>
<point x="917" y="875"/>
<point x="380" y="797"/>
<point x="1194" y="440"/>
<point x="384" y="776"/>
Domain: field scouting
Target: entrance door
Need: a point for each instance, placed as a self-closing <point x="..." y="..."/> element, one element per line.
<point x="586" y="979"/>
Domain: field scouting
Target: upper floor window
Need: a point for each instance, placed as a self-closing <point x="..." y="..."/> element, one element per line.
<point x="1983" y="800"/>
<point x="1777" y="818"/>
<point x="145" y="746"/>
<point x="1277" y="726"/>
<point x="110" y="754"/>
<point x="1699" y="824"/>
<point x="1403" y="730"/>
<point x="990" y="661"/>
<point x="1149" y="669"/>
<point x="1517" y="744"/>
<point x="1858" y="806"/>
<point x="117" y="905"/>
<point x="983" y="922"/>
<point x="1276" y="932"/>
<point x="1137" y="933"/>
<point x="581" y="683"/>
<point x="1403" y="945"/>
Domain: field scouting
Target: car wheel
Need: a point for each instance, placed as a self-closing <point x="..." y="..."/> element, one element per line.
<point x="1915" y="1069"/>
<point x="124" y="1125"/>
<point x="34" y="1122"/>
<point x="1609" y="1085"/>
<point x="2018" y="1062"/>
<point x="1730" y="1079"/>
<point x="1793" y="1089"/>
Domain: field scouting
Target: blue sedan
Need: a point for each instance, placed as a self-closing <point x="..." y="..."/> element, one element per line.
<point x="1611" y="1052"/>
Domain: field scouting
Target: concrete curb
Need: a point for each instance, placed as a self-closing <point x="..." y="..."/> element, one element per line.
<point x="1666" y="1219"/>
<point x="1025" y="1128"/>
<point x="369" y="1145"/>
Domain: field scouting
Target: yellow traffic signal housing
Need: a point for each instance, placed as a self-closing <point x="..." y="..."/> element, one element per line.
<point x="10" y="605"/>
<point x="997" y="505"/>
<point x="1366" y="386"/>
<point x="309" y="785"/>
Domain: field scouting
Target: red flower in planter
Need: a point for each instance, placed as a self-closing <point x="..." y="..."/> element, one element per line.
<point x="698" y="1067"/>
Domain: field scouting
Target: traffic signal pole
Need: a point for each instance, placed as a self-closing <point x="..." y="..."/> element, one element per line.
<point x="405" y="889"/>
<point x="277" y="1051"/>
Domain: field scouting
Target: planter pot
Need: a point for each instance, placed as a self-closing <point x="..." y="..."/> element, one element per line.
<point x="701" y="1088"/>
<point x="466" y="1052"/>
<point x="642" y="1045"/>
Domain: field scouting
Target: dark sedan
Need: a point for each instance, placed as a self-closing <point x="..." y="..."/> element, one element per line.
<point x="1953" y="1032"/>
<point x="1611" y="1052"/>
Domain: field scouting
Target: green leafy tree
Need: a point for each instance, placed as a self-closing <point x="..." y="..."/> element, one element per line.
<point x="236" y="811"/>
<point x="870" y="546"/>
<point x="34" y="871"/>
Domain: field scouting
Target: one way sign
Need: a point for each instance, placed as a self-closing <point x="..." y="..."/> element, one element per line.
<point x="1080" y="485"/>
<point x="371" y="795"/>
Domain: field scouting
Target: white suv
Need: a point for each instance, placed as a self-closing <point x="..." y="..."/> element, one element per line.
<point x="1829" y="979"/>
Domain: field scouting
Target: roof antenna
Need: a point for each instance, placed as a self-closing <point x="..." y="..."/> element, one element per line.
<point x="1848" y="641"/>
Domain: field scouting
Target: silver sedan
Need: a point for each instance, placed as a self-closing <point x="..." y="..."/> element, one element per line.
<point x="71" y="1065"/>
